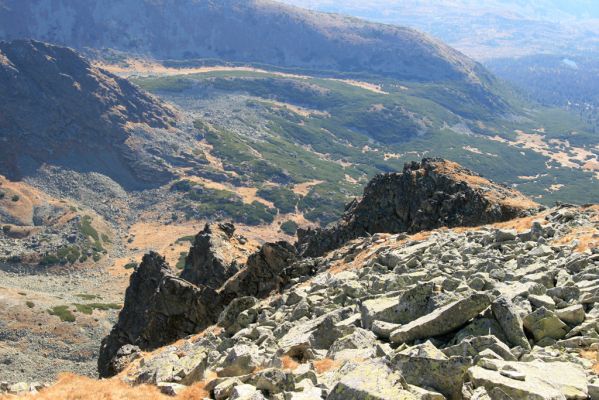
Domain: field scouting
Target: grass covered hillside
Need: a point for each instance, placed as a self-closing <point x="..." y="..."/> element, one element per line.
<point x="270" y="129"/>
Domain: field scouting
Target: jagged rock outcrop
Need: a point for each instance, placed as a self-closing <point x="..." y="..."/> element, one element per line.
<point x="427" y="195"/>
<point x="159" y="309"/>
<point x="58" y="109"/>
<point x="211" y="261"/>
<point x="262" y="273"/>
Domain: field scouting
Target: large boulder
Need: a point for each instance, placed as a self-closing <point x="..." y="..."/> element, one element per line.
<point x="442" y="320"/>
<point x="372" y="380"/>
<point x="543" y="323"/>
<point x="507" y="316"/>
<point x="427" y="367"/>
<point x="426" y="195"/>
<point x="211" y="259"/>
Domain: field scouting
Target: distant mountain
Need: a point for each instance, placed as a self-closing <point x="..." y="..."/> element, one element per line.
<point x="58" y="109"/>
<point x="551" y="10"/>
<point x="485" y="29"/>
<point x="255" y="31"/>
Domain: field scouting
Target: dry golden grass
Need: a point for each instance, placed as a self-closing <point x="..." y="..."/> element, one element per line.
<point x="147" y="67"/>
<point x="73" y="387"/>
<point x="587" y="238"/>
<point x="289" y="363"/>
<point x="591" y="355"/>
<point x="302" y="189"/>
<point x="325" y="365"/>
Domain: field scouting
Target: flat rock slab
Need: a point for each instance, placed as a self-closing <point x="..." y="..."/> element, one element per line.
<point x="443" y="375"/>
<point x="442" y="320"/>
<point x="542" y="381"/>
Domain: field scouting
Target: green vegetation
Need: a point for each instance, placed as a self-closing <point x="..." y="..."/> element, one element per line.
<point x="131" y="265"/>
<point x="88" y="297"/>
<point x="49" y="259"/>
<point x="289" y="227"/>
<point x="181" y="261"/>
<point x="283" y="198"/>
<point x="64" y="255"/>
<point x="63" y="313"/>
<point x="94" y="239"/>
<point x="183" y="239"/>
<point x="200" y="202"/>
<point x="30" y="304"/>
<point x="85" y="226"/>
<point x="15" y="198"/>
<point x="90" y="307"/>
<point x="70" y="253"/>
<point x="2" y="194"/>
<point x="347" y="131"/>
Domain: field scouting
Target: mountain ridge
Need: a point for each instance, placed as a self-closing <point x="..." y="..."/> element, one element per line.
<point x="220" y="30"/>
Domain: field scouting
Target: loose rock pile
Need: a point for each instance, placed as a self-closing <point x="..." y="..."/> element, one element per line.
<point x="486" y="313"/>
<point x="495" y="312"/>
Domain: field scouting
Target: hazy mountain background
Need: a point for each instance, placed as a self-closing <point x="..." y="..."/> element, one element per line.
<point x="549" y="49"/>
<point x="486" y="29"/>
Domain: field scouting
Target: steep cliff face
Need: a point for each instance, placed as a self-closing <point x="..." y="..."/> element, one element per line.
<point x="161" y="307"/>
<point x="56" y="108"/>
<point x="425" y="196"/>
<point x="258" y="31"/>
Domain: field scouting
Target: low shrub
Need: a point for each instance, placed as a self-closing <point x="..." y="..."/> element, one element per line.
<point x="63" y="313"/>
<point x="289" y="227"/>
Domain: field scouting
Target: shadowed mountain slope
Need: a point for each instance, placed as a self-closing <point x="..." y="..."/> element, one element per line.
<point x="256" y="31"/>
<point x="58" y="109"/>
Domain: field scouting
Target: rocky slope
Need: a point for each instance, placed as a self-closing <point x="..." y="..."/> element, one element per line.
<point x="425" y="196"/>
<point x="58" y="109"/>
<point x="482" y="312"/>
<point x="257" y="31"/>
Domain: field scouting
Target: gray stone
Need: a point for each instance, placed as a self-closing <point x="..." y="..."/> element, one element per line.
<point x="445" y="375"/>
<point x="507" y="316"/>
<point x="573" y="315"/>
<point x="242" y="359"/>
<point x="370" y="380"/>
<point x="383" y="309"/>
<point x="443" y="320"/>
<point x="543" y="323"/>
<point x="473" y="346"/>
<point x="542" y="381"/>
